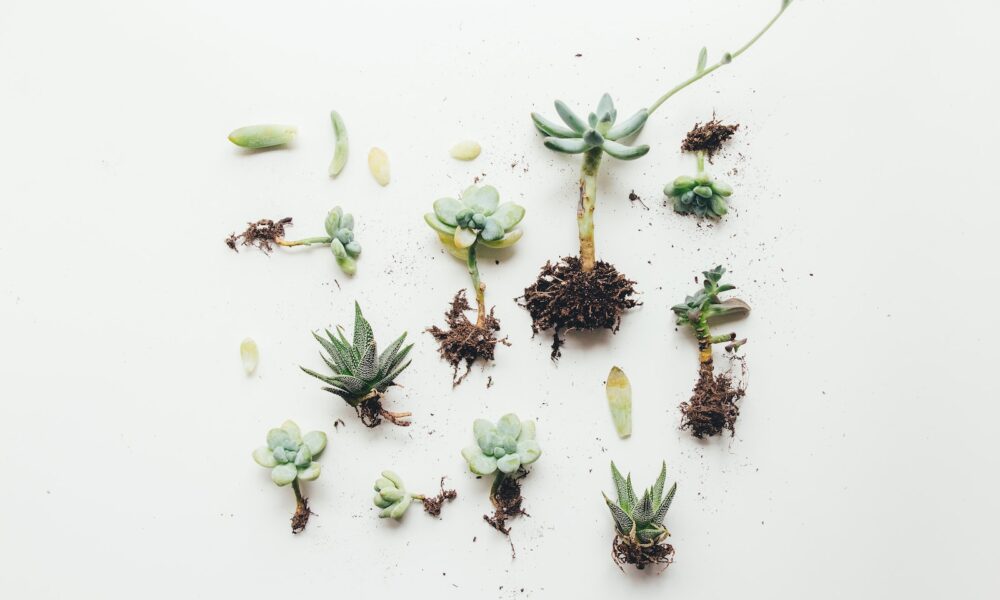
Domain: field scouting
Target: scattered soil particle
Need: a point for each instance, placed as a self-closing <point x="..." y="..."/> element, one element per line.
<point x="566" y="298"/>
<point x="433" y="505"/>
<point x="712" y="407"/>
<point x="708" y="137"/>
<point x="633" y="197"/>
<point x="301" y="516"/>
<point x="371" y="412"/>
<point x="261" y="234"/>
<point x="627" y="551"/>
<point x="464" y="341"/>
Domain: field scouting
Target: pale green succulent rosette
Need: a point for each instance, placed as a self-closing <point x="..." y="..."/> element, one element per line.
<point x="475" y="218"/>
<point x="503" y="447"/>
<point x="391" y="496"/>
<point x="599" y="132"/>
<point x="291" y="458"/>
<point x="346" y="250"/>
<point x="700" y="195"/>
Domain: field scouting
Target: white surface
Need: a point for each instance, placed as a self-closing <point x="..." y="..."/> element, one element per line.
<point x="862" y="235"/>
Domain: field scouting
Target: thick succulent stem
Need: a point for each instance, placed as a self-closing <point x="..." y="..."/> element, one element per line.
<point x="478" y="285"/>
<point x="302" y="512"/>
<point x="701" y="162"/>
<point x="585" y="209"/>
<point x="725" y="60"/>
<point x="303" y="242"/>
<point x="704" y="335"/>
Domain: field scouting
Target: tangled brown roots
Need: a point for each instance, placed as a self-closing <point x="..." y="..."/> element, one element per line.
<point x="712" y="407"/>
<point x="627" y="551"/>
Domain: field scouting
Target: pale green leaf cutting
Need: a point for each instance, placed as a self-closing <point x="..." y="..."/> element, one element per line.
<point x="619" y="392"/>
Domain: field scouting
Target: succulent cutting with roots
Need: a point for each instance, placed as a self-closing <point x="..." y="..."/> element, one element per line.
<point x="290" y="456"/>
<point x="465" y="224"/>
<point x="712" y="407"/>
<point x="391" y="496"/>
<point x="640" y="535"/>
<point x="264" y="234"/>
<point x="583" y="293"/>
<point x="504" y="450"/>
<point x="702" y="195"/>
<point x="361" y="375"/>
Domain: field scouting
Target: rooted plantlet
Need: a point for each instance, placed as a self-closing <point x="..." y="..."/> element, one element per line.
<point x="290" y="456"/>
<point x="476" y="219"/>
<point x="362" y="375"/>
<point x="262" y="136"/>
<point x="701" y="195"/>
<point x="340" y="238"/>
<point x="640" y="536"/>
<point x="391" y="496"/>
<point x="712" y="407"/>
<point x="585" y="293"/>
<point x="504" y="450"/>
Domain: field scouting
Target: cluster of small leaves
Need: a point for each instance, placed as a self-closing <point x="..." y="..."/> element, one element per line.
<point x="699" y="195"/>
<point x="475" y="217"/>
<point x="340" y="228"/>
<point x="359" y="370"/>
<point x="290" y="455"/>
<point x="391" y="496"/>
<point x="598" y="131"/>
<point x="505" y="446"/>
<point x="705" y="303"/>
<point x="642" y="518"/>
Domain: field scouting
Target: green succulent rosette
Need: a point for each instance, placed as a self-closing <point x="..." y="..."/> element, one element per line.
<point x="475" y="218"/>
<point x="505" y="446"/>
<point x="291" y="455"/>
<point x="600" y="130"/>
<point x="699" y="195"/>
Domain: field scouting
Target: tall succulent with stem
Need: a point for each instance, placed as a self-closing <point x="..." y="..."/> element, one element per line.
<point x="265" y="233"/>
<point x="291" y="458"/>
<point x="640" y="535"/>
<point x="465" y="224"/>
<point x="504" y="450"/>
<point x="361" y="375"/>
<point x="584" y="293"/>
<point x="712" y="408"/>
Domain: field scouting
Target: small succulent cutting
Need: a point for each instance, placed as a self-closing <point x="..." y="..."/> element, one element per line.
<point x="291" y="458"/>
<point x="361" y="375"/>
<point x="583" y="293"/>
<point x="504" y="450"/>
<point x="262" y="136"/>
<point x="391" y="496"/>
<point x="339" y="238"/>
<point x="712" y="407"/>
<point x="702" y="195"/>
<point x="640" y="535"/>
<point x="473" y="220"/>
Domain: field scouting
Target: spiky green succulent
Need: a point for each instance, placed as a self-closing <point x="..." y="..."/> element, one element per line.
<point x="705" y="304"/>
<point x="699" y="195"/>
<point x="600" y="130"/>
<point x="641" y="518"/>
<point x="346" y="250"/>
<point x="475" y="217"/>
<point x="505" y="446"/>
<point x="359" y="371"/>
<point x="391" y="496"/>
<point x="291" y="455"/>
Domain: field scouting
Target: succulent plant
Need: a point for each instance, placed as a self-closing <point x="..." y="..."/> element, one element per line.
<point x="599" y="131"/>
<point x="640" y="532"/>
<point x="712" y="406"/>
<point x="361" y="375"/>
<point x="505" y="447"/>
<point x="391" y="496"/>
<point x="699" y="195"/>
<point x="291" y="458"/>
<point x="476" y="217"/>
<point x="346" y="250"/>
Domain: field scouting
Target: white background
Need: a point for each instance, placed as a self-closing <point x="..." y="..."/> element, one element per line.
<point x="862" y="234"/>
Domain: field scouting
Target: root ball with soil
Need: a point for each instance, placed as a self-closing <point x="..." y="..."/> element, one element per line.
<point x="464" y="342"/>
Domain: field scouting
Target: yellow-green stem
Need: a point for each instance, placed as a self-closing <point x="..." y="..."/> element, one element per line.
<point x="478" y="286"/>
<point x="585" y="208"/>
<point x="304" y="242"/>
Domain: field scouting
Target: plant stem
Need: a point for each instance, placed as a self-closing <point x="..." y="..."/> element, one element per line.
<point x="704" y="335"/>
<point x="585" y="209"/>
<point x="304" y="242"/>
<point x="701" y="162"/>
<point x="299" y="502"/>
<point x="721" y="62"/>
<point x="478" y="285"/>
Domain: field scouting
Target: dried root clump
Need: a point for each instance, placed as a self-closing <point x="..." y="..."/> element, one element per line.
<point x="566" y="298"/>
<point x="301" y="516"/>
<point x="506" y="498"/>
<point x="433" y="505"/>
<point x="261" y="234"/>
<point x="464" y="341"/>
<point x="708" y="137"/>
<point x="371" y="412"/>
<point x="628" y="551"/>
<point x="712" y="407"/>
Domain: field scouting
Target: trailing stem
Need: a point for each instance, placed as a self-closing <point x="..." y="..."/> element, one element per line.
<point x="478" y="286"/>
<point x="303" y="242"/>
<point x="725" y="60"/>
<point x="585" y="209"/>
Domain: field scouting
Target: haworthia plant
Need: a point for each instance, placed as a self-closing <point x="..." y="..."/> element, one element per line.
<point x="640" y="518"/>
